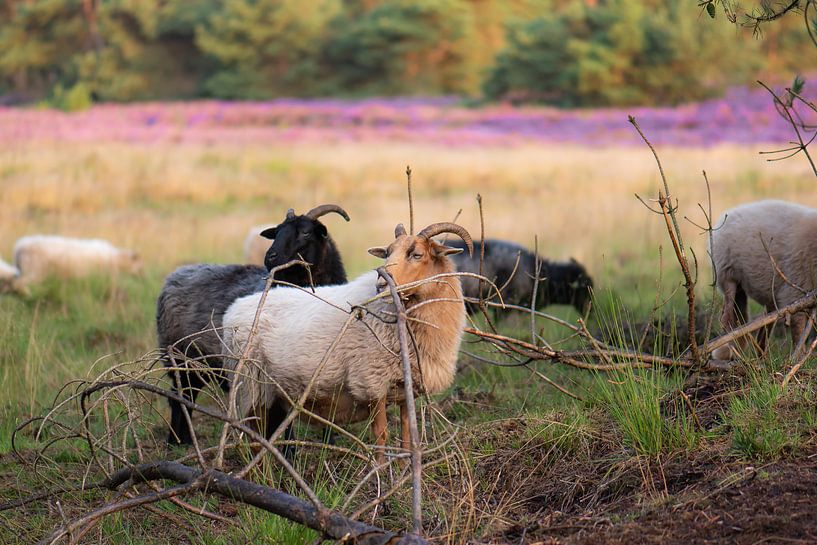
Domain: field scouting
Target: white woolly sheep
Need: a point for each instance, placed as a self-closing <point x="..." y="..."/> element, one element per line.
<point x="744" y="268"/>
<point x="256" y="245"/>
<point x="363" y="372"/>
<point x="38" y="257"/>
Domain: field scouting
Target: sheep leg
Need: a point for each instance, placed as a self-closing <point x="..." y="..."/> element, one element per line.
<point x="729" y="315"/>
<point x="742" y="315"/>
<point x="274" y="416"/>
<point x="405" y="430"/>
<point x="186" y="384"/>
<point x="728" y="318"/>
<point x="798" y="329"/>
<point x="380" y="430"/>
<point x="329" y="437"/>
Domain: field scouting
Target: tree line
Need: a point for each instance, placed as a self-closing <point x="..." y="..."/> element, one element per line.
<point x="560" y="52"/>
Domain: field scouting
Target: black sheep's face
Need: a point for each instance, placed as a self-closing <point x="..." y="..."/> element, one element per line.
<point x="581" y="287"/>
<point x="299" y="238"/>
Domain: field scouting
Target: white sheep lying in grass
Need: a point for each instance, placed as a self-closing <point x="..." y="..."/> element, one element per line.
<point x="256" y="245"/>
<point x="744" y="268"/>
<point x="7" y="275"/>
<point x="363" y="372"/>
<point x="38" y="257"/>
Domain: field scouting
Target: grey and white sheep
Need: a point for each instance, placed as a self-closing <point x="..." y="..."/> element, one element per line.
<point x="363" y="372"/>
<point x="744" y="268"/>
<point x="560" y="283"/>
<point x="194" y="298"/>
<point x="38" y="257"/>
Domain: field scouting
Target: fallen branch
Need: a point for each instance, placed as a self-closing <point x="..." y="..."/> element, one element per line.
<point x="330" y="523"/>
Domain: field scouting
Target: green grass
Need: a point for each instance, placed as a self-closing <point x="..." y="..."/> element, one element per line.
<point x="768" y="421"/>
<point x="191" y="203"/>
<point x="638" y="401"/>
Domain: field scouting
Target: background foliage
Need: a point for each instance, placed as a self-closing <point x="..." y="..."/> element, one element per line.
<point x="568" y="53"/>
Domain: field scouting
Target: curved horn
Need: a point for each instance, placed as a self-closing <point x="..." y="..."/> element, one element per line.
<point x="448" y="227"/>
<point x="319" y="211"/>
<point x="290" y="214"/>
<point x="399" y="230"/>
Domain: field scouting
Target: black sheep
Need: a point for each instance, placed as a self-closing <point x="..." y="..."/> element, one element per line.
<point x="560" y="283"/>
<point x="194" y="298"/>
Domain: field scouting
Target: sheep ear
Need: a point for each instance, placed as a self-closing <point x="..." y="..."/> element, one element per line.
<point x="446" y="250"/>
<point x="269" y="233"/>
<point x="380" y="252"/>
<point x="321" y="229"/>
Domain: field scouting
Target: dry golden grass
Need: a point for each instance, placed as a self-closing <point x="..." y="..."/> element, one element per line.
<point x="185" y="203"/>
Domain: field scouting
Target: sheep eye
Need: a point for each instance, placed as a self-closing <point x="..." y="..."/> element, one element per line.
<point x="417" y="256"/>
<point x="306" y="234"/>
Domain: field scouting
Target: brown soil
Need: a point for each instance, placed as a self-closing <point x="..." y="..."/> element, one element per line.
<point x="690" y="501"/>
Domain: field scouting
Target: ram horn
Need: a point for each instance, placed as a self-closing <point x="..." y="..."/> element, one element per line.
<point x="447" y="227"/>
<point x="399" y="231"/>
<point x="319" y="211"/>
<point x="290" y="214"/>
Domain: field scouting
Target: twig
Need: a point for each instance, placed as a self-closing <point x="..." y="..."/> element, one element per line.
<point x="231" y="398"/>
<point x="410" y="199"/>
<point x="803" y="146"/>
<point x="416" y="451"/>
<point x="667" y="210"/>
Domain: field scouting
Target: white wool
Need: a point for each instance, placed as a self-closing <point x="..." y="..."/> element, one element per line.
<point x="8" y="274"/>
<point x="7" y="270"/>
<point x="296" y="330"/>
<point x="40" y="256"/>
<point x="790" y="234"/>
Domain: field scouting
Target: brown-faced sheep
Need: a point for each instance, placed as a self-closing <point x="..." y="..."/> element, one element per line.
<point x="743" y="240"/>
<point x="363" y="373"/>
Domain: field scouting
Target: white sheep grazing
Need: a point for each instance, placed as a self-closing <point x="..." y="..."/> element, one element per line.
<point x="363" y="372"/>
<point x="41" y="256"/>
<point x="744" y="269"/>
<point x="255" y="245"/>
<point x="7" y="275"/>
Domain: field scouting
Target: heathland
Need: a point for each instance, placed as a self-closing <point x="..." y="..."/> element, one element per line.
<point x="183" y="183"/>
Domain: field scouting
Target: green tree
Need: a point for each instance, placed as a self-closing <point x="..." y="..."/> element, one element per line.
<point x="266" y="47"/>
<point x="38" y="41"/>
<point x="619" y="52"/>
<point x="148" y="50"/>
<point x="404" y="47"/>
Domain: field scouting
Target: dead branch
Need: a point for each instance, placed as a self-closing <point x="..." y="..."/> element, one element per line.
<point x="416" y="452"/>
<point x="329" y="523"/>
<point x="668" y="211"/>
<point x="410" y="199"/>
<point x="801" y="144"/>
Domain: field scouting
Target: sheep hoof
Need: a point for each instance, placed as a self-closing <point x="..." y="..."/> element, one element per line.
<point x="724" y="353"/>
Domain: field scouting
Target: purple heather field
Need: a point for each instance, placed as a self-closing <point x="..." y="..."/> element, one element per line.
<point x="742" y="116"/>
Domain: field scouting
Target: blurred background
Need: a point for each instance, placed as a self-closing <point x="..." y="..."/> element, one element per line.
<point x="68" y="53"/>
